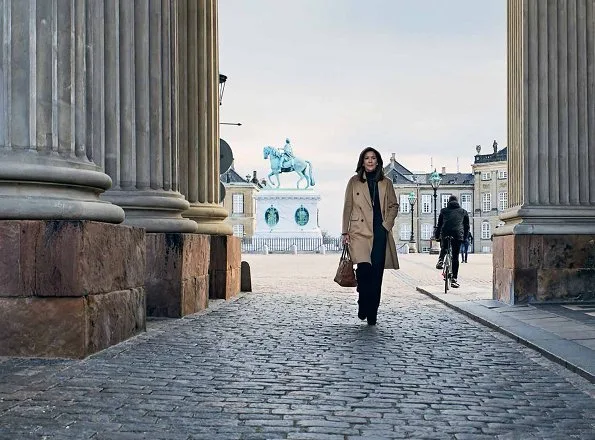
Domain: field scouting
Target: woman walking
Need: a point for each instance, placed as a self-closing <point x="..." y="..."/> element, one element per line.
<point x="369" y="213"/>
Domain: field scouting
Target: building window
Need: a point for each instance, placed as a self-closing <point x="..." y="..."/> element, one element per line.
<point x="444" y="200"/>
<point x="486" y="231"/>
<point x="425" y="249"/>
<point x="237" y="203"/>
<point x="466" y="202"/>
<point x="238" y="230"/>
<point x="502" y="174"/>
<point x="426" y="203"/>
<point x="486" y="202"/>
<point x="426" y="231"/>
<point x="486" y="249"/>
<point x="503" y="200"/>
<point x="486" y="175"/>
<point x="405" y="204"/>
<point x="405" y="232"/>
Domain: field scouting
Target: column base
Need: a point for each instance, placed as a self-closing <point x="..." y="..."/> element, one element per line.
<point x="209" y="218"/>
<point x="49" y="187"/>
<point x="412" y="248"/>
<point x="69" y="288"/>
<point x="153" y="210"/>
<point x="435" y="247"/>
<point x="542" y="268"/>
<point x="225" y="267"/>
<point x="177" y="278"/>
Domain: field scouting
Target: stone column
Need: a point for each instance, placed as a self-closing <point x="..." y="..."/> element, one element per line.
<point x="546" y="249"/>
<point x="69" y="286"/>
<point x="50" y="164"/>
<point x="198" y="113"/>
<point x="140" y="154"/>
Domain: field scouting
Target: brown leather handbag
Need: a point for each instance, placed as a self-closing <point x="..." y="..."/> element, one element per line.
<point x="345" y="276"/>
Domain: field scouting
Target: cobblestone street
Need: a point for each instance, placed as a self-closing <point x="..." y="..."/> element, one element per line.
<point x="292" y="361"/>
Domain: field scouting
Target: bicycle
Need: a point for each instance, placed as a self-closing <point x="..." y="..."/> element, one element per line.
<point x="447" y="269"/>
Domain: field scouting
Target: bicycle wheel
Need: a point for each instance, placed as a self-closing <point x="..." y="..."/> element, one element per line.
<point x="446" y="273"/>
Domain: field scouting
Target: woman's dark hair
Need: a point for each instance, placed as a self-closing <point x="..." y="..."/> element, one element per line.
<point x="361" y="170"/>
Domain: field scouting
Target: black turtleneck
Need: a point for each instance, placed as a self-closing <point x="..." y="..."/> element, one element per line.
<point x="373" y="187"/>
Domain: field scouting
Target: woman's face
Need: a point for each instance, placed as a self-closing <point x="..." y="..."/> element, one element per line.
<point x="370" y="161"/>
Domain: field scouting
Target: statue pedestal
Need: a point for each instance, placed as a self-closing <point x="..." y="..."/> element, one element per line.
<point x="287" y="213"/>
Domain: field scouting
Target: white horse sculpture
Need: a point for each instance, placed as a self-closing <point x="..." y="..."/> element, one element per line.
<point x="300" y="166"/>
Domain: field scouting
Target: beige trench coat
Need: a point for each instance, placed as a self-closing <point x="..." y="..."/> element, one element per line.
<point x="358" y="220"/>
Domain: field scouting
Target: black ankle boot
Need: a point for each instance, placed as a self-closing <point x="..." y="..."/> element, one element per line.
<point x="361" y="311"/>
<point x="372" y="319"/>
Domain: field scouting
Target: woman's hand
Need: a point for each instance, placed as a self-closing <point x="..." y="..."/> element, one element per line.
<point x="345" y="239"/>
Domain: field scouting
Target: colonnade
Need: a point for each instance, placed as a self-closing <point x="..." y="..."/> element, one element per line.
<point x="109" y="112"/>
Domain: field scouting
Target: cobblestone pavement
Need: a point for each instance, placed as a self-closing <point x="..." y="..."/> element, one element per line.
<point x="292" y="361"/>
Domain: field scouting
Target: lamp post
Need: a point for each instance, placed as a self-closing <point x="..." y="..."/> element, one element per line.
<point x="412" y="246"/>
<point x="435" y="181"/>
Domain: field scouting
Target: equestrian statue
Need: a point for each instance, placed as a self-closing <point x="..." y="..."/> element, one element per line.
<point x="284" y="161"/>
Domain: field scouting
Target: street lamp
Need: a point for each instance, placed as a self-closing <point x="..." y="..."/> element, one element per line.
<point x="222" y="80"/>
<point x="412" y="198"/>
<point x="435" y="181"/>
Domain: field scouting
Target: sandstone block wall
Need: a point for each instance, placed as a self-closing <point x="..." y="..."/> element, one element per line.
<point x="69" y="288"/>
<point x="177" y="276"/>
<point x="225" y="267"/>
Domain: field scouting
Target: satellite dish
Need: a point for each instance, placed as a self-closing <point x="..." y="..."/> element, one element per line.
<point x="225" y="157"/>
<point x="221" y="192"/>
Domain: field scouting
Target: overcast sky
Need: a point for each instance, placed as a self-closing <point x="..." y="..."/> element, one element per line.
<point x="425" y="79"/>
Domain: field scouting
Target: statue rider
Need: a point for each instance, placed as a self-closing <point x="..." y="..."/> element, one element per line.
<point x="288" y="154"/>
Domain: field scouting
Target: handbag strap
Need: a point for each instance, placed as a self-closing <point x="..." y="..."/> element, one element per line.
<point x="345" y="255"/>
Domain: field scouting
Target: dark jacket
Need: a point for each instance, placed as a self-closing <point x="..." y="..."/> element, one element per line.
<point x="453" y="221"/>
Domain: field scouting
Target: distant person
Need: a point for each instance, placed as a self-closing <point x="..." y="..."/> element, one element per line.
<point x="452" y="222"/>
<point x="369" y="213"/>
<point x="465" y="245"/>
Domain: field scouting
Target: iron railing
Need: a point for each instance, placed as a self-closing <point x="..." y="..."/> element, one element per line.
<point x="287" y="245"/>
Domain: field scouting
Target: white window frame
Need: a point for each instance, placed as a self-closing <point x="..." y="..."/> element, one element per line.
<point x="405" y="231"/>
<point x="486" y="230"/>
<point x="237" y="203"/>
<point x="426" y="231"/>
<point x="502" y="200"/>
<point x="238" y="230"/>
<point x="486" y="202"/>
<point x="444" y="200"/>
<point x="486" y="175"/>
<point x="467" y="202"/>
<point x="426" y="203"/>
<point x="404" y="202"/>
<point x="502" y="174"/>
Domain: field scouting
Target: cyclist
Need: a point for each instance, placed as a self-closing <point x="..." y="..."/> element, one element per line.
<point x="454" y="222"/>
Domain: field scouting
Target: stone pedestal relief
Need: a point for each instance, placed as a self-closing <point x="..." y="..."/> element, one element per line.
<point x="546" y="249"/>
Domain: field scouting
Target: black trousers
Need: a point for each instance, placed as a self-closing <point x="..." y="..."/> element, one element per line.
<point x="456" y="249"/>
<point x="369" y="276"/>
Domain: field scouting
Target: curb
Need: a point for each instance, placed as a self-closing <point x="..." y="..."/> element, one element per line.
<point x="555" y="343"/>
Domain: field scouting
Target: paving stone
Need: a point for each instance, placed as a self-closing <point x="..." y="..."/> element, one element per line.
<point x="292" y="361"/>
